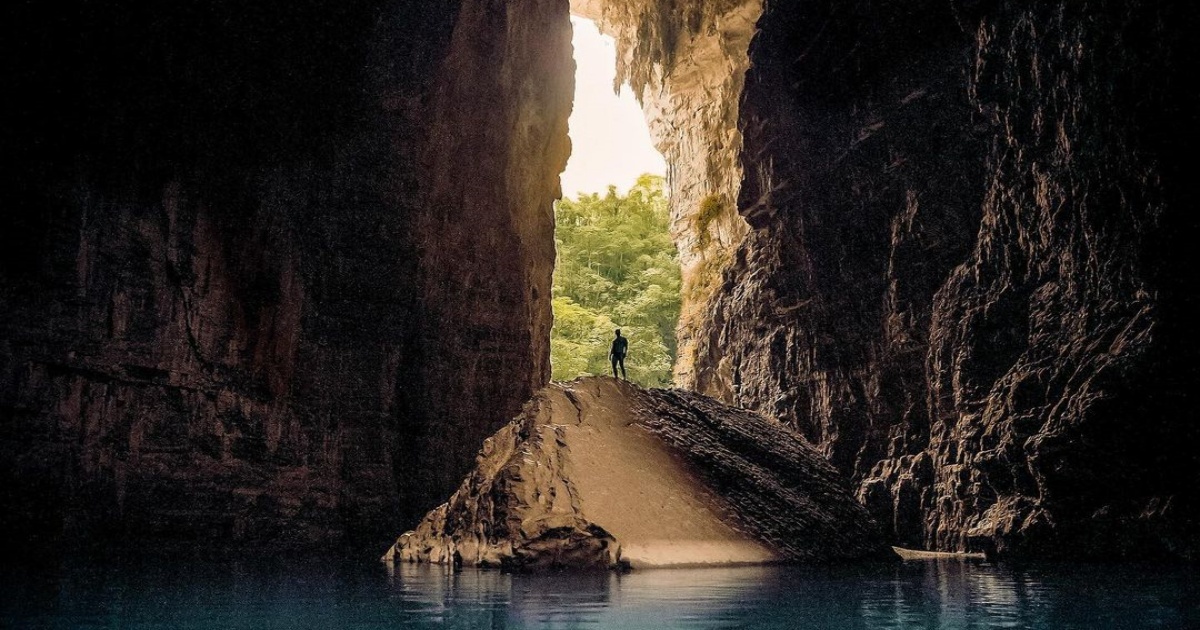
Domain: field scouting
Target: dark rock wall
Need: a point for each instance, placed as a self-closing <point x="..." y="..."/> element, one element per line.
<point x="965" y="281"/>
<point x="498" y="129"/>
<point x="260" y="265"/>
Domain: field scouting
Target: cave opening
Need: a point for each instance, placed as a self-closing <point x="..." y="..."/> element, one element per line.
<point x="617" y="266"/>
<point x="686" y="76"/>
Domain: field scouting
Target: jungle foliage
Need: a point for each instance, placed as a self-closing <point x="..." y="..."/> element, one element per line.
<point x="616" y="268"/>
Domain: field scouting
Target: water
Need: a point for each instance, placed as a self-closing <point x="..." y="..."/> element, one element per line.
<point x="924" y="594"/>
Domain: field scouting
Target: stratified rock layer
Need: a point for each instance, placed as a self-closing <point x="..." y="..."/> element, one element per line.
<point x="598" y="473"/>
<point x="966" y="279"/>
<point x="258" y="263"/>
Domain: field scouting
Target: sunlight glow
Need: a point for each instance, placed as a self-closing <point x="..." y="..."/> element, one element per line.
<point x="609" y="138"/>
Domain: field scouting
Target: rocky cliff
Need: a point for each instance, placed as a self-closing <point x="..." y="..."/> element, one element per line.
<point x="599" y="473"/>
<point x="262" y="267"/>
<point x="965" y="279"/>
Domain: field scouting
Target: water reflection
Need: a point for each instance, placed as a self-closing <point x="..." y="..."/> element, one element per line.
<point x="921" y="594"/>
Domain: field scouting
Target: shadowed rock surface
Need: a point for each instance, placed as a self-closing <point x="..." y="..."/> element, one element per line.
<point x="597" y="472"/>
<point x="967" y="279"/>
<point x="247" y="294"/>
<point x="960" y="265"/>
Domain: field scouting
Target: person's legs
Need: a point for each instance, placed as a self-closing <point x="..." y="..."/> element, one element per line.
<point x="623" y="375"/>
<point x="614" y="365"/>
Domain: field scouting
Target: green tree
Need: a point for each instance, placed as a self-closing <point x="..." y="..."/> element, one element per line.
<point x="617" y="268"/>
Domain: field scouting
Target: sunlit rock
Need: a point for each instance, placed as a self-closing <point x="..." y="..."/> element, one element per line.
<point x="599" y="473"/>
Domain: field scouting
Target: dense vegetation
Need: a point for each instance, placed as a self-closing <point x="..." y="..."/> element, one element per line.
<point x="617" y="268"/>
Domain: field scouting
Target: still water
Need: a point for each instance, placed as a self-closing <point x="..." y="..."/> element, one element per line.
<point x="920" y="594"/>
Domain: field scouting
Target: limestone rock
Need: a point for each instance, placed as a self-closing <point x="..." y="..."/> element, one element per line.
<point x="598" y="473"/>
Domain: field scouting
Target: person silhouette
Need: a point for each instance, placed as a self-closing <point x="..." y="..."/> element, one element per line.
<point x="616" y="354"/>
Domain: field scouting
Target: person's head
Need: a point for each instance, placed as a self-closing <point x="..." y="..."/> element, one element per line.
<point x="618" y="331"/>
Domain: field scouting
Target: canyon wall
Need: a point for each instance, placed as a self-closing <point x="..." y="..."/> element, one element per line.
<point x="965" y="275"/>
<point x="269" y="274"/>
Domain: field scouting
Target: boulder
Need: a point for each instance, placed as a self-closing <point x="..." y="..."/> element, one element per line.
<point x="599" y="473"/>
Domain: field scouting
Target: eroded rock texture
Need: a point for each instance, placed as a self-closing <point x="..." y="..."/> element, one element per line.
<point x="269" y="273"/>
<point x="597" y="472"/>
<point x="965" y="278"/>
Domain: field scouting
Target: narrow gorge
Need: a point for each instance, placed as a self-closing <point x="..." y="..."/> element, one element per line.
<point x="271" y="274"/>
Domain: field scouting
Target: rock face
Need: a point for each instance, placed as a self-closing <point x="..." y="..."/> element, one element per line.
<point x="965" y="282"/>
<point x="598" y="473"/>
<point x="256" y="264"/>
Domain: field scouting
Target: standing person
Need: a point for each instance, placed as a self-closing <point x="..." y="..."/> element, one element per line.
<point x="616" y="354"/>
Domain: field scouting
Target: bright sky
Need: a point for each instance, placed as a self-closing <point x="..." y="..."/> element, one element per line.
<point x="609" y="138"/>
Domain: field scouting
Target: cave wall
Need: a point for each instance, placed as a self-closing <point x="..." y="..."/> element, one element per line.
<point x="961" y="267"/>
<point x="260" y="265"/>
<point x="270" y="274"/>
<point x="965" y="278"/>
